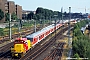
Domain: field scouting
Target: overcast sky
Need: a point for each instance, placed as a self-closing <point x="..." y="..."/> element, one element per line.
<point x="76" y="5"/>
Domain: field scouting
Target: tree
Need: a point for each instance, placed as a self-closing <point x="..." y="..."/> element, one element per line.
<point x="30" y="15"/>
<point x="7" y="17"/>
<point x="43" y="13"/>
<point x="1" y="14"/>
<point x="81" y="42"/>
<point x="14" y="16"/>
<point x="35" y="17"/>
<point x="1" y="32"/>
<point x="40" y="13"/>
<point x="59" y="15"/>
<point x="39" y="10"/>
<point x="38" y="16"/>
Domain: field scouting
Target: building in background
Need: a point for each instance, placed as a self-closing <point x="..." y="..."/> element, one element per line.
<point x="10" y="7"/>
<point x="19" y="11"/>
<point x="2" y="7"/>
<point x="25" y="13"/>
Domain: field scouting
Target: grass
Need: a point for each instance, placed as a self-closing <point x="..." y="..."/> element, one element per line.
<point x="27" y="25"/>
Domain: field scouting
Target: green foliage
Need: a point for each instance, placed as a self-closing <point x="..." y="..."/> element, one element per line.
<point x="14" y="16"/>
<point x="77" y="32"/>
<point x="81" y="24"/>
<point x="1" y="32"/>
<point x="38" y="16"/>
<point x="35" y="17"/>
<point x="30" y="15"/>
<point x="7" y="17"/>
<point x="42" y="13"/>
<point x="76" y="56"/>
<point x="82" y="43"/>
<point x="1" y="14"/>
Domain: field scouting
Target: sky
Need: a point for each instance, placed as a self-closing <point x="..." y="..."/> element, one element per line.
<point x="55" y="5"/>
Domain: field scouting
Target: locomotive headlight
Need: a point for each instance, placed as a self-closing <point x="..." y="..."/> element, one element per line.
<point x="16" y="54"/>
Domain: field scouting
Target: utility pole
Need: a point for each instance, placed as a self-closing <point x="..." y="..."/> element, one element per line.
<point x="10" y="36"/>
<point x="50" y="20"/>
<point x="62" y="14"/>
<point x="55" y="26"/>
<point x="62" y="17"/>
<point x="85" y="10"/>
<point x="19" y="27"/>
<point x="69" y="27"/>
<point x="40" y="24"/>
<point x="44" y="22"/>
<point x="35" y="25"/>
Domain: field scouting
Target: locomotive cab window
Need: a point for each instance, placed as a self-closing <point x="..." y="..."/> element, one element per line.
<point x="31" y="39"/>
<point x="19" y="41"/>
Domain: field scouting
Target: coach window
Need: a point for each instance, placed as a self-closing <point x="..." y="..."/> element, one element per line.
<point x="46" y="33"/>
<point x="39" y="37"/>
<point x="35" y="39"/>
<point x="43" y="35"/>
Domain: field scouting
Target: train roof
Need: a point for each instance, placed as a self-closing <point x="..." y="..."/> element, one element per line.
<point x="24" y="39"/>
<point x="48" y="27"/>
<point x="41" y="31"/>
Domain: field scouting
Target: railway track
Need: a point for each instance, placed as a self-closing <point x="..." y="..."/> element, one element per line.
<point x="5" y="50"/>
<point x="5" y="55"/>
<point x="32" y="54"/>
<point x="56" y="54"/>
<point x="5" y="47"/>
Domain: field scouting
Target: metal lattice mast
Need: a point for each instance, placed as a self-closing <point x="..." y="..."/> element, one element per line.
<point x="69" y="26"/>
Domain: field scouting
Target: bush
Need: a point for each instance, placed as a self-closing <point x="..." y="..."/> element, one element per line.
<point x="81" y="42"/>
<point x="1" y="32"/>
